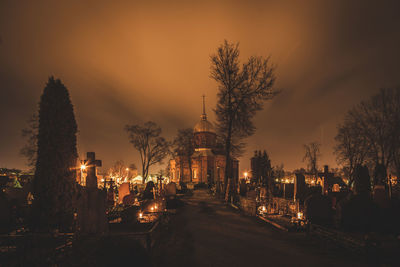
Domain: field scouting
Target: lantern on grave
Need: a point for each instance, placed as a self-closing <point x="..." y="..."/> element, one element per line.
<point x="336" y="188"/>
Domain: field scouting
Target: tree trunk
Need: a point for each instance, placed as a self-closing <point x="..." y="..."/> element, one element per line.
<point x="228" y="174"/>
<point x="190" y="168"/>
<point x="143" y="173"/>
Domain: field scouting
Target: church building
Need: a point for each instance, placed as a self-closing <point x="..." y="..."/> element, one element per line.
<point x="207" y="161"/>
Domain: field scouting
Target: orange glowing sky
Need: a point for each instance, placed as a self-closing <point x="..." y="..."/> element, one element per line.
<point x="127" y="62"/>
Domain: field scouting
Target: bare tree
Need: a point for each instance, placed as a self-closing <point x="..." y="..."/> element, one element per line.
<point x="371" y="132"/>
<point x="147" y="140"/>
<point x="119" y="171"/>
<point x="242" y="90"/>
<point x="312" y="153"/>
<point x="279" y="171"/>
<point x="183" y="146"/>
<point x="374" y="116"/>
<point x="351" y="147"/>
<point x="30" y="133"/>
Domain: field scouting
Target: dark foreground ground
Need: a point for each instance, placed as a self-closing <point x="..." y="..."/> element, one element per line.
<point x="204" y="232"/>
<point x="208" y="233"/>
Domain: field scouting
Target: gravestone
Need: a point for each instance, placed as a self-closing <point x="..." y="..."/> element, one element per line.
<point x="92" y="202"/>
<point x="299" y="187"/>
<point x="170" y="190"/>
<point x="123" y="191"/>
<point x="358" y="212"/>
<point x="362" y="183"/>
<point x="110" y="195"/>
<point x="148" y="191"/>
<point x="380" y="194"/>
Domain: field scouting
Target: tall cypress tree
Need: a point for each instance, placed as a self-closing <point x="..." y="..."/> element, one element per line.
<point x="54" y="183"/>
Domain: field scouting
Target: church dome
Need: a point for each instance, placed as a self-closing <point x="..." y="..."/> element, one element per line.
<point x="204" y="126"/>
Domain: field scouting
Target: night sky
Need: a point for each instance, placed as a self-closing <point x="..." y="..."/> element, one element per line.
<point x="127" y="63"/>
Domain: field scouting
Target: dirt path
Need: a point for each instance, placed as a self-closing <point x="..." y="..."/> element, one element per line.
<point x="208" y="233"/>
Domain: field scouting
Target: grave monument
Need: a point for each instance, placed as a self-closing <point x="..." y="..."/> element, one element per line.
<point x="92" y="201"/>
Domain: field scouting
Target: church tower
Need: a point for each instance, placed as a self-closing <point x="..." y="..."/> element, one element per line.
<point x="204" y="143"/>
<point x="204" y="133"/>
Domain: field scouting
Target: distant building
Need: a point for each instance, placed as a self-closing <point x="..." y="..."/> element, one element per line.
<point x="208" y="159"/>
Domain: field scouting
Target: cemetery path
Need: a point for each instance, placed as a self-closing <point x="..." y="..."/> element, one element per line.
<point x="207" y="232"/>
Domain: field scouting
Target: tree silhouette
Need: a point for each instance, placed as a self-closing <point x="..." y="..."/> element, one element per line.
<point x="55" y="174"/>
<point x="147" y="140"/>
<point x="242" y="90"/>
<point x="351" y="147"/>
<point x="312" y="153"/>
<point x="261" y="168"/>
<point x="371" y="133"/>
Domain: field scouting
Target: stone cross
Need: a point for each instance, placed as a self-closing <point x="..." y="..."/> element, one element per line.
<point x="91" y="163"/>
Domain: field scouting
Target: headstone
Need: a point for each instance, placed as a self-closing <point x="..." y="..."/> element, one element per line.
<point x="110" y="196"/>
<point x="92" y="202"/>
<point x="92" y="211"/>
<point x="170" y="190"/>
<point x="358" y="212"/>
<point x="123" y="191"/>
<point x="380" y="194"/>
<point x="148" y="191"/>
<point x="362" y="183"/>
<point x="299" y="187"/>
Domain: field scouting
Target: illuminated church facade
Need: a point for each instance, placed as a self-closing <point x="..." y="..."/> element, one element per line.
<point x="207" y="161"/>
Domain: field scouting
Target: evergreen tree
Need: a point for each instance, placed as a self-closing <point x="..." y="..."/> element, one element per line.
<point x="54" y="183"/>
<point x="261" y="168"/>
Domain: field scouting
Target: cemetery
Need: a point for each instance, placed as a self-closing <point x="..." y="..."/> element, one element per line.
<point x="111" y="156"/>
<point x="361" y="221"/>
<point x="138" y="218"/>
